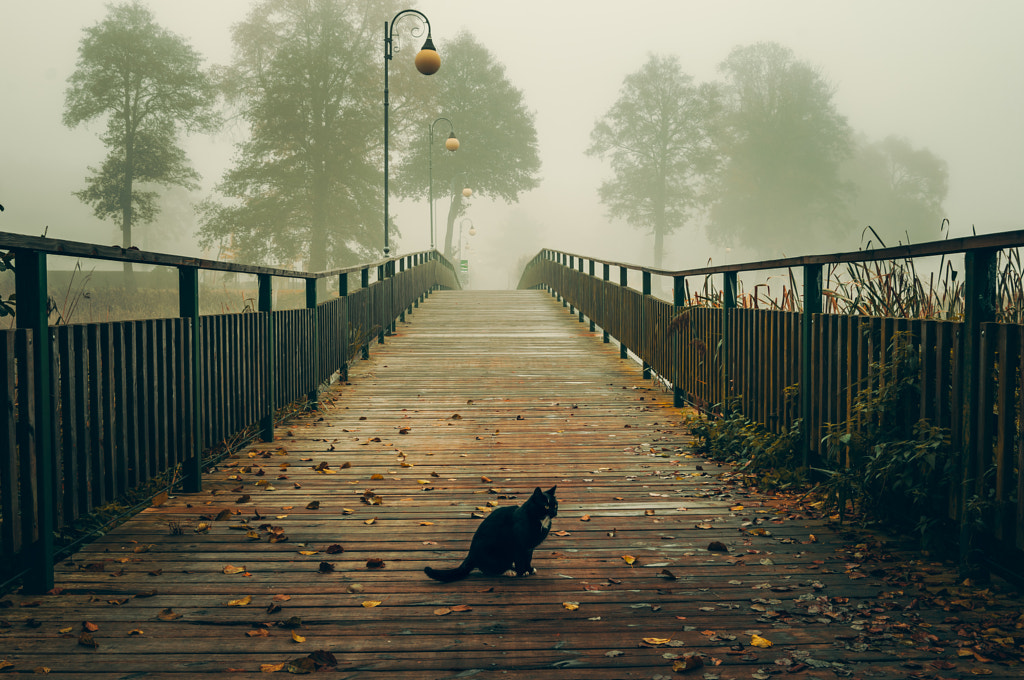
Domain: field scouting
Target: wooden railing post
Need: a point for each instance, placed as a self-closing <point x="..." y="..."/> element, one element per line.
<point x="266" y="305"/>
<point x="812" y="306"/>
<point x="188" y="308"/>
<point x="31" y="313"/>
<point x="624" y="282"/>
<point x="728" y="305"/>
<point x="646" y="289"/>
<point x="678" y="300"/>
<point x="401" y="268"/>
<point x="314" y="344"/>
<point x="593" y="325"/>
<point x="606" y="275"/>
<point x="385" y="325"/>
<point x="364" y="281"/>
<point x="343" y="293"/>
<point x="980" y="300"/>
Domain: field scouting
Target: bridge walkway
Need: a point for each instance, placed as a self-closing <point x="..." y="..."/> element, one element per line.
<point x="307" y="553"/>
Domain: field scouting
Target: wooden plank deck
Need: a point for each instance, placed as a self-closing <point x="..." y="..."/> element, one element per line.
<point x="478" y="398"/>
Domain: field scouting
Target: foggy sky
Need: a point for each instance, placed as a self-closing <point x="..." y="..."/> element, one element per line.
<point x="947" y="75"/>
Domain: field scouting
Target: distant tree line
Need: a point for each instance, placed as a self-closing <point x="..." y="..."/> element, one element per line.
<point x="761" y="157"/>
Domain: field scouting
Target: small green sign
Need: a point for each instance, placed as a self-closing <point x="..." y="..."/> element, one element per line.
<point x="464" y="265"/>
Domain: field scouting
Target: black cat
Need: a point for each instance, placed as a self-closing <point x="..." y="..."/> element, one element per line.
<point x="505" y="540"/>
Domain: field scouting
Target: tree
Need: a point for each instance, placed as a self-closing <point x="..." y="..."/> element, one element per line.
<point x="497" y="155"/>
<point x="149" y="84"/>
<point x="307" y="184"/>
<point x="658" y="138"/>
<point x="899" y="189"/>
<point x="783" y="141"/>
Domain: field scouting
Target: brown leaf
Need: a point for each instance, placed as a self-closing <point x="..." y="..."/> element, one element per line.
<point x="244" y="498"/>
<point x="89" y="626"/>
<point x="375" y="563"/>
<point x="326" y="568"/>
<point x="230" y="569"/>
<point x="313" y="505"/>
<point x="258" y="632"/>
<point x="86" y="640"/>
<point x="717" y="546"/>
<point x="223" y="515"/>
<point x="689" y="662"/>
<point x="443" y="611"/>
<point x="461" y="608"/>
<point x="334" y="549"/>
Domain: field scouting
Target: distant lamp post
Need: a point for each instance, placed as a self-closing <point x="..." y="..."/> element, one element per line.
<point x="452" y="144"/>
<point x="427" y="62"/>
<point x="467" y="192"/>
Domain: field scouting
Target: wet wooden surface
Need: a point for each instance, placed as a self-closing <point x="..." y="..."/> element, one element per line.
<point x="478" y="398"/>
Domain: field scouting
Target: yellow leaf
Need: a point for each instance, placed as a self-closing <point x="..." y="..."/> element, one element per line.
<point x="272" y="667"/>
<point x="297" y="637"/>
<point x="426" y="524"/>
<point x="135" y="631"/>
<point x="376" y="476"/>
<point x="371" y="603"/>
<point x="308" y="552"/>
<point x="347" y="511"/>
<point x="628" y="559"/>
<point x="240" y="603"/>
<point x="758" y="641"/>
<point x="229" y="569"/>
<point x="571" y="606"/>
<point x="657" y="641"/>
<point x="65" y="631"/>
<point x="370" y="521"/>
<point x="423" y="481"/>
<point x="443" y="611"/>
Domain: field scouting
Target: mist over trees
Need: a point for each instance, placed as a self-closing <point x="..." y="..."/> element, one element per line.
<point x="497" y="153"/>
<point x="149" y="85"/>
<point x="659" y="139"/>
<point x="306" y="186"/>
<point x="761" y="160"/>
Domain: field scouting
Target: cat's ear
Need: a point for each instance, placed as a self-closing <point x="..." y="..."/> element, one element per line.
<point x="551" y="491"/>
<point x="538" y="492"/>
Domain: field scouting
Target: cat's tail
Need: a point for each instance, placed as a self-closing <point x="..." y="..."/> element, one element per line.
<point x="447" y="575"/>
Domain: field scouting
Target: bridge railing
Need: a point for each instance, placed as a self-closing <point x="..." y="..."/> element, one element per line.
<point x="91" y="411"/>
<point x="720" y="353"/>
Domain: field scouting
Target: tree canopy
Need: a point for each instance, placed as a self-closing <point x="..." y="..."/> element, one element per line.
<point x="783" y="142"/>
<point x="497" y="155"/>
<point x="659" y="138"/>
<point x="306" y="185"/>
<point x="149" y="85"/>
<point x="898" y="189"/>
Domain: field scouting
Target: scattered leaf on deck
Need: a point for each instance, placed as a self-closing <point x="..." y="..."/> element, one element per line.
<point x="629" y="559"/>
<point x="371" y="603"/>
<point x="758" y="641"/>
<point x="334" y="549"/>
<point x="168" y="614"/>
<point x="297" y="637"/>
<point x="229" y="569"/>
<point x="313" y="505"/>
<point x="571" y="606"/>
<point x="657" y="641"/>
<point x="443" y="611"/>
<point x="375" y="563"/>
<point x="240" y="602"/>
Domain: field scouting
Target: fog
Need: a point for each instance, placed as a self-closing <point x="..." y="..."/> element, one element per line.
<point x="949" y="76"/>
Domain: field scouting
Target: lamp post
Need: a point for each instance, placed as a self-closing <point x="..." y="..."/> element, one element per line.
<point x="427" y="61"/>
<point x="452" y="144"/>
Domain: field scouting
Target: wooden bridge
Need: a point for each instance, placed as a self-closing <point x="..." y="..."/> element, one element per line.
<point x="306" y="553"/>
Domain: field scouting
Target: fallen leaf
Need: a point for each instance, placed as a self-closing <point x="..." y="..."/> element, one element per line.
<point x="758" y="641"/>
<point x="370" y="521"/>
<point x="628" y="559"/>
<point x="657" y="641"/>
<point x="281" y="598"/>
<point x="313" y="505"/>
<point x="272" y="667"/>
<point x="258" y="632"/>
<point x="585" y="518"/>
<point x="135" y="631"/>
<point x="86" y="640"/>
<point x="334" y="549"/>
<point x="89" y="626"/>
<point x="297" y="637"/>
<point x="240" y="602"/>
<point x="229" y="569"/>
<point x="375" y="563"/>
<point x="689" y="662"/>
<point x="371" y="603"/>
<point x="443" y="611"/>
<point x="308" y="552"/>
<point x="461" y="608"/>
<point x="168" y="614"/>
<point x="571" y="606"/>
<point x="325" y="568"/>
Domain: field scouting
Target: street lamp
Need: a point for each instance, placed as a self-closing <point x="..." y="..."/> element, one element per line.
<point x="452" y="144"/>
<point x="427" y="62"/>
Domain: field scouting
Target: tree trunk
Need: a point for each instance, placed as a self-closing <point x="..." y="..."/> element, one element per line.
<point x="454" y="210"/>
<point x="126" y="209"/>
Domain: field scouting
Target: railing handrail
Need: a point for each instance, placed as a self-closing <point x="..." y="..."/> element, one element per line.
<point x="62" y="247"/>
<point x="1005" y="239"/>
